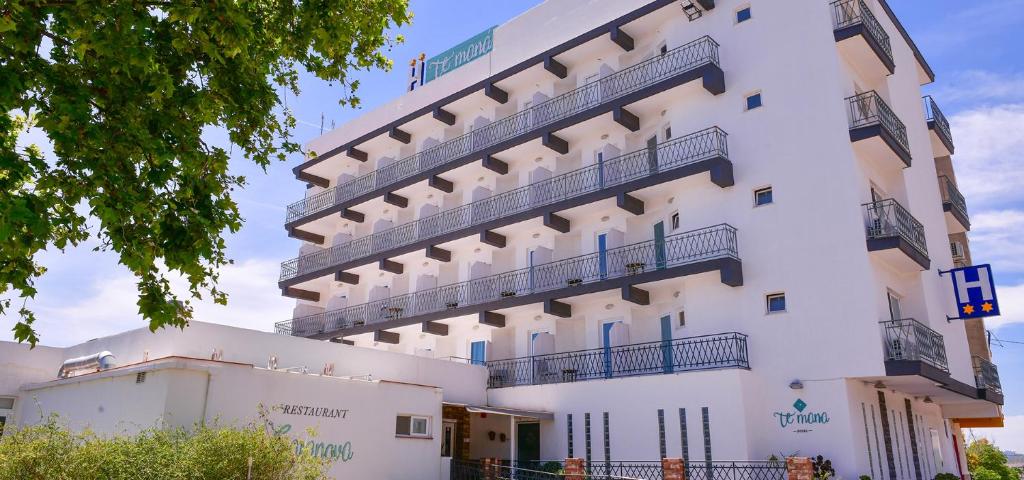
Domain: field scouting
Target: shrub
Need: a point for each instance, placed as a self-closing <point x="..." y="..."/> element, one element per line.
<point x="947" y="476"/>
<point x="52" y="451"/>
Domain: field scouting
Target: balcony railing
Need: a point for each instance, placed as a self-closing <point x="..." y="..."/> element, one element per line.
<point x="669" y="155"/>
<point x="952" y="195"/>
<point x="616" y="85"/>
<point x="846" y="13"/>
<point x="908" y="339"/>
<point x="652" y="470"/>
<point x="652" y="358"/>
<point x="868" y="109"/>
<point x="888" y="219"/>
<point x="934" y="116"/>
<point x="681" y="249"/>
<point x="986" y="375"/>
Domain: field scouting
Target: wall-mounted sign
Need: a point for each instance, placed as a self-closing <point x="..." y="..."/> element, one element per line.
<point x="800" y="418"/>
<point x="308" y="411"/>
<point x="975" y="291"/>
<point x="479" y="45"/>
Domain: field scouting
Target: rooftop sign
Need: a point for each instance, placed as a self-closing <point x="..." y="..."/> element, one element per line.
<point x="479" y="45"/>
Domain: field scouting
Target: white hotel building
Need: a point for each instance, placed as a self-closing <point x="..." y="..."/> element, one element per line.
<point x="707" y="230"/>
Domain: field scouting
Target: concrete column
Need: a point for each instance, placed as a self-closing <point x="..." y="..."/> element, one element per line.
<point x="574" y="469"/>
<point x="799" y="468"/>
<point x="673" y="469"/>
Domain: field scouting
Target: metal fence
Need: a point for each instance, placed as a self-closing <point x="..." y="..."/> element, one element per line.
<point x="986" y="375"/>
<point x="721" y="470"/>
<point x="652" y="470"/>
<point x="846" y="13"/>
<point x="648" y="162"/>
<point x="868" y="108"/>
<point x="952" y="195"/>
<point x="679" y="60"/>
<point x="888" y="219"/>
<point x="933" y="114"/>
<point x="908" y="339"/>
<point x="684" y="248"/>
<point x="652" y="358"/>
<point x="470" y="470"/>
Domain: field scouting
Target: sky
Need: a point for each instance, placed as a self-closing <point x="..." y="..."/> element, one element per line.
<point x="974" y="49"/>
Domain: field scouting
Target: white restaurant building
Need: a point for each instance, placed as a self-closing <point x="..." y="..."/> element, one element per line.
<point x="618" y="231"/>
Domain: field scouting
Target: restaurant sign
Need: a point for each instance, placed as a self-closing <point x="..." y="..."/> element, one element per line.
<point x="479" y="45"/>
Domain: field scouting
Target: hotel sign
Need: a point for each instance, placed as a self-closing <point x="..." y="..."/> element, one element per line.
<point x="801" y="418"/>
<point x="975" y="291"/>
<point x="479" y="45"/>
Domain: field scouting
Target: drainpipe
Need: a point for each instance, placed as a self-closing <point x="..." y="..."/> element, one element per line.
<point x="206" y="398"/>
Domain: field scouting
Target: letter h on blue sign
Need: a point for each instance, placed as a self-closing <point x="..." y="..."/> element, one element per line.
<point x="975" y="291"/>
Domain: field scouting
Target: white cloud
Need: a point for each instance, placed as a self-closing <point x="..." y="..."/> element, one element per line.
<point x="1011" y="307"/>
<point x="988" y="144"/>
<point x="981" y="86"/>
<point x="110" y="305"/>
<point x="1010" y="437"/>
<point x="995" y="238"/>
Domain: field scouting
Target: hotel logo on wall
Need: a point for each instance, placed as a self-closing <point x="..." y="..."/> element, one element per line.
<point x="479" y="45"/>
<point x="975" y="292"/>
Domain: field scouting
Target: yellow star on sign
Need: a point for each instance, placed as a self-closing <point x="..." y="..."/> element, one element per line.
<point x="968" y="309"/>
<point x="986" y="307"/>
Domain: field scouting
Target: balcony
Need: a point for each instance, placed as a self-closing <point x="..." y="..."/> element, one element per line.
<point x="941" y="135"/>
<point x="689" y="253"/>
<point x="986" y="376"/>
<point x="861" y="38"/>
<point x="727" y="350"/>
<point x="896" y="236"/>
<point x="909" y="344"/>
<point x="876" y="131"/>
<point x="698" y="152"/>
<point x="955" y="206"/>
<point x="697" y="59"/>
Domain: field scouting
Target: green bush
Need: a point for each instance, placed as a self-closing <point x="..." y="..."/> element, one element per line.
<point x="50" y="451"/>
<point x="947" y="476"/>
<point x="986" y="462"/>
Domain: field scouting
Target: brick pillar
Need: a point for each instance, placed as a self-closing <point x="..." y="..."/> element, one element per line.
<point x="672" y="469"/>
<point x="575" y="469"/>
<point x="799" y="468"/>
<point x="489" y="467"/>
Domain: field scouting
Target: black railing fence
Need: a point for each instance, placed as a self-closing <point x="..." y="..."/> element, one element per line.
<point x="540" y="470"/>
<point x="652" y="470"/>
<point x="669" y="356"/>
<point x="613" y="86"/>
<point x="648" y="162"/>
<point x="986" y="375"/>
<point x="868" y="108"/>
<point x="681" y="249"/>
<point x="847" y="13"/>
<point x="952" y="195"/>
<point x="933" y="114"/>
<point x="908" y="339"/>
<point x="887" y="219"/>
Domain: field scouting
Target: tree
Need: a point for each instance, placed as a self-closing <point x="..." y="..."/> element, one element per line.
<point x="124" y="90"/>
<point x="986" y="462"/>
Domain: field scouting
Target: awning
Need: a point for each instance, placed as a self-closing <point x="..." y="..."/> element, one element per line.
<point x="535" y="415"/>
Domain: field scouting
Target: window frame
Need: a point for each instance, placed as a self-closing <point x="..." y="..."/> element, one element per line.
<point x="768" y="303"/>
<point x="760" y="190"/>
<point x="674" y="221"/>
<point x="740" y="11"/>
<point x="750" y="95"/>
<point x="410" y="425"/>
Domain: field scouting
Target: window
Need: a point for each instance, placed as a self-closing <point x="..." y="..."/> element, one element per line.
<point x="668" y="133"/>
<point x="743" y="15"/>
<point x="682" y="318"/>
<point x="663" y="49"/>
<point x="412" y="426"/>
<point x="754" y="101"/>
<point x="776" y="302"/>
<point x="763" y="196"/>
<point x="674" y="221"/>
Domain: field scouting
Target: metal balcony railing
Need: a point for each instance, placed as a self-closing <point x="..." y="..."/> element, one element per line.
<point x="888" y="219"/>
<point x="652" y="358"/>
<point x="933" y="114"/>
<point x="868" y="109"/>
<point x="952" y="195"/>
<point x="616" y="85"/>
<point x="681" y="249"/>
<point x="908" y="339"/>
<point x="669" y="155"/>
<point x="652" y="470"/>
<point x="846" y="13"/>
<point x="986" y="375"/>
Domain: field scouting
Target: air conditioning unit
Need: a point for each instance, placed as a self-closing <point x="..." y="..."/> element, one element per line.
<point x="957" y="249"/>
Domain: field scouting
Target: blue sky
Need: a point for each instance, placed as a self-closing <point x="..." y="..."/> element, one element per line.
<point x="974" y="49"/>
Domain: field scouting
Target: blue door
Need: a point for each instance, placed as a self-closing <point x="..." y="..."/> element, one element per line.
<point x="606" y="335"/>
<point x="600" y="169"/>
<point x="530" y="262"/>
<point x="602" y="255"/>
<point x="659" y="246"/>
<point x="478" y="353"/>
<point x="668" y="365"/>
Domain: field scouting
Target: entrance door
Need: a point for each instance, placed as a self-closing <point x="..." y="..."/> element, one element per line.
<point x="606" y="337"/>
<point x="660" y="261"/>
<point x="600" y="169"/>
<point x="666" y="344"/>
<point x="478" y="353"/>
<point x="447" y="438"/>
<point x="652" y="154"/>
<point x="527" y="442"/>
<point x="602" y="255"/>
